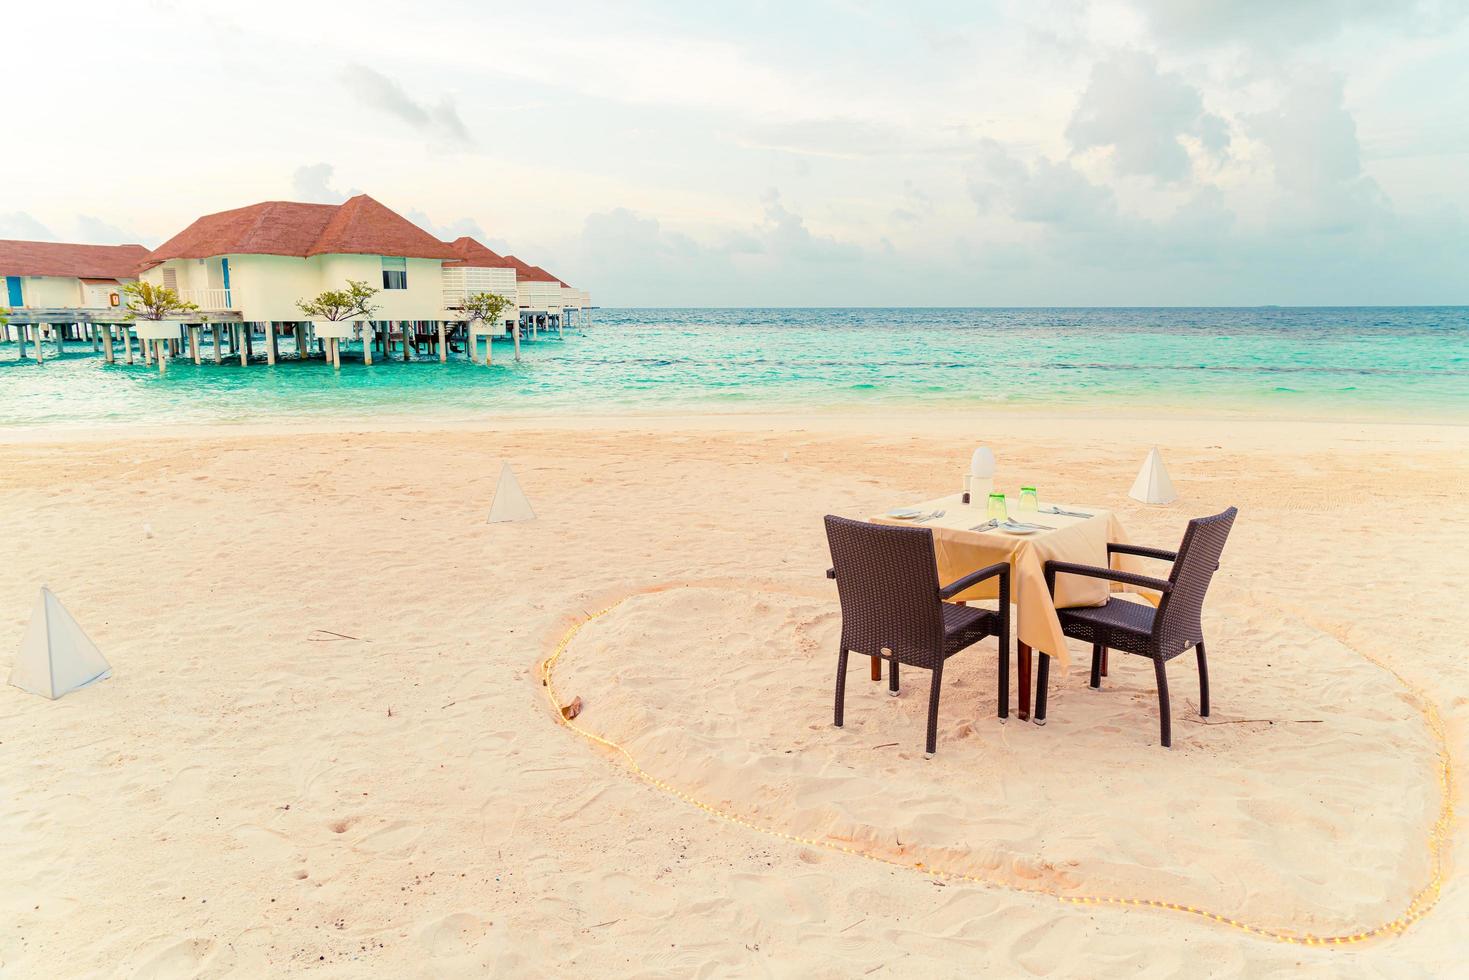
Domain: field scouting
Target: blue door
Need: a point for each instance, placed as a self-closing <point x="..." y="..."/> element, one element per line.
<point x="224" y="265"/>
<point x="12" y="289"/>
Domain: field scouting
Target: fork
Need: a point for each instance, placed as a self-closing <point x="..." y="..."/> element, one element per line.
<point x="929" y="517"/>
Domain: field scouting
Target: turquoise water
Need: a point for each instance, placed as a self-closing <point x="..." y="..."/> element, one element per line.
<point x="1407" y="363"/>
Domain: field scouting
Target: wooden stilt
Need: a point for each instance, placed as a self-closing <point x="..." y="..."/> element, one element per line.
<point x="194" y="342"/>
<point x="517" y="340"/>
<point x="20" y="338"/>
<point x="241" y="346"/>
<point x="443" y="347"/>
<point x="106" y="329"/>
<point x="270" y="342"/>
<point x="90" y="329"/>
<point x="163" y="355"/>
<point x="336" y="353"/>
<point x="127" y="343"/>
<point x="489" y="349"/>
<point x="368" y="341"/>
<point x="249" y="331"/>
<point x="59" y="332"/>
<point x="403" y="332"/>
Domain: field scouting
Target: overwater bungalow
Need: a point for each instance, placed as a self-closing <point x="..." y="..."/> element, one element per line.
<point x="63" y="288"/>
<point x="258" y="261"/>
<point x="247" y="269"/>
<point x="479" y="269"/>
<point x="62" y="275"/>
<point x="539" y="296"/>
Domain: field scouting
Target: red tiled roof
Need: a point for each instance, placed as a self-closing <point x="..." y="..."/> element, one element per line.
<point x="362" y="226"/>
<point x="70" y="261"/>
<point x="474" y="255"/>
<point x="358" y="226"/>
<point x="531" y="273"/>
<point x="543" y="276"/>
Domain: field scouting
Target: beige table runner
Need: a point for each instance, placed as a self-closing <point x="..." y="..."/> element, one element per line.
<point x="1082" y="540"/>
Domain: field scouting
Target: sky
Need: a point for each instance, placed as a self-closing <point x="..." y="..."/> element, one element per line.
<point x="837" y="153"/>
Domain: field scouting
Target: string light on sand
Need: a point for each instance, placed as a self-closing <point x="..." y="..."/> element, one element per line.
<point x="1419" y="906"/>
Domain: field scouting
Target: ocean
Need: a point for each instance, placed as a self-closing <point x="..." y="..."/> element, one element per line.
<point x="1404" y="363"/>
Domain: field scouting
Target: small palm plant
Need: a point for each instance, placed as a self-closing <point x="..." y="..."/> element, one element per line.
<point x="149" y="302"/>
<point x="484" y="307"/>
<point x="336" y="305"/>
<point x="341" y="304"/>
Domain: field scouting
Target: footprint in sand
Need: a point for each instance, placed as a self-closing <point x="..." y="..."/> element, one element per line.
<point x="396" y="840"/>
<point x="454" y="935"/>
<point x="175" y="958"/>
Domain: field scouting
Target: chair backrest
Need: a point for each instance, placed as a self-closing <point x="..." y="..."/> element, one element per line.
<point x="888" y="584"/>
<point x="1178" y="625"/>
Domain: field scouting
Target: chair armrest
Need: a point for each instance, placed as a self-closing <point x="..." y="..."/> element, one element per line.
<point x="831" y="573"/>
<point x="969" y="581"/>
<point x="1111" y="574"/>
<point x="1136" y="549"/>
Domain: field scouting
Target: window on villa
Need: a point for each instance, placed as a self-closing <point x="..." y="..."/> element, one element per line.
<point x="395" y="273"/>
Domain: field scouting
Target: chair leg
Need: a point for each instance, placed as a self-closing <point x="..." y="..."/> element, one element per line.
<point x="1042" y="671"/>
<point x="892" y="678"/>
<point x="1203" y="680"/>
<point x="933" y="711"/>
<point x="1165" y="718"/>
<point x="841" y="683"/>
<point x="1096" y="666"/>
<point x="1104" y="661"/>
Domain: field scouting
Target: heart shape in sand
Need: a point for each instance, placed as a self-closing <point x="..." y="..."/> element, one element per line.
<point x="1291" y="806"/>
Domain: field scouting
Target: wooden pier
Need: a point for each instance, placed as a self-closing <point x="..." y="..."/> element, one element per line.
<point x="231" y="338"/>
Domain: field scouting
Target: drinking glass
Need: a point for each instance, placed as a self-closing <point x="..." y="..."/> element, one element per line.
<point x="997" y="510"/>
<point x="1029" y="500"/>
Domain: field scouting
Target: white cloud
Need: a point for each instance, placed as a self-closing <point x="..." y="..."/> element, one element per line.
<point x="1144" y="116"/>
<point x="457" y="228"/>
<point x="1279" y="24"/>
<point x="312" y="183"/>
<point x="376" y="90"/>
<point x="22" y="226"/>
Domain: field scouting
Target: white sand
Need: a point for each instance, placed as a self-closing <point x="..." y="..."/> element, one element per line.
<point x="250" y="794"/>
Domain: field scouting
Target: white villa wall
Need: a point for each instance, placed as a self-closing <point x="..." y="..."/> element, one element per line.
<point x="540" y="297"/>
<point x="422" y="300"/>
<point x="46" y="291"/>
<point x="462" y="281"/>
<point x="267" y="287"/>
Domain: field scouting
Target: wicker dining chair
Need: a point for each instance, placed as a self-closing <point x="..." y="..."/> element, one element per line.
<point x="1132" y="627"/>
<point x="894" y="609"/>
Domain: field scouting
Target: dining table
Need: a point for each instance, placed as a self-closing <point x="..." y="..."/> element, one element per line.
<point x="965" y="539"/>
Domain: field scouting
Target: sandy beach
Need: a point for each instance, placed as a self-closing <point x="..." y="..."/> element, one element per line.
<point x="327" y="745"/>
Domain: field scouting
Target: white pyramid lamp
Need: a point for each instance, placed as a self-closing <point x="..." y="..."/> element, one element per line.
<point x="56" y="657"/>
<point x="510" y="503"/>
<point x="1152" y="485"/>
<point x="980" y="479"/>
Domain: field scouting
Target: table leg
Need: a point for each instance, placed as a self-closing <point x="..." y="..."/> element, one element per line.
<point x="876" y="668"/>
<point x="1022" y="651"/>
<point x="1104" y="661"/>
